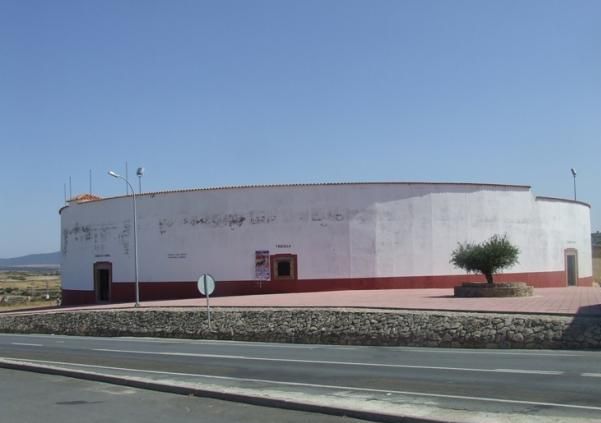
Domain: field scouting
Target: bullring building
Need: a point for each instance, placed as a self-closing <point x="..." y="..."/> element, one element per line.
<point x="314" y="237"/>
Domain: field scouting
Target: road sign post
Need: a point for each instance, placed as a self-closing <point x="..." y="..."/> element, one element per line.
<point x="206" y="286"/>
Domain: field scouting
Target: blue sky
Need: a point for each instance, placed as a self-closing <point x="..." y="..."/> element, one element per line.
<point x="212" y="93"/>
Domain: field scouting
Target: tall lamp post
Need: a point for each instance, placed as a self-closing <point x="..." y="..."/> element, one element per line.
<point x="140" y="173"/>
<point x="133" y="193"/>
<point x="574" y="175"/>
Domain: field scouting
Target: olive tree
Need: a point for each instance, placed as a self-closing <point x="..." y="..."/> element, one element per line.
<point x="489" y="257"/>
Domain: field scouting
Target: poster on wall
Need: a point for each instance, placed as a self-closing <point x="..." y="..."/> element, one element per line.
<point x="262" y="268"/>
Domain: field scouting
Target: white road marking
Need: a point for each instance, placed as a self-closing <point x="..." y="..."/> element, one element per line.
<point x="339" y="347"/>
<point x="343" y="363"/>
<point x="489" y="352"/>
<point x="314" y="385"/>
<point x="300" y="346"/>
<point x="26" y="344"/>
<point x="187" y="341"/>
<point x="591" y="374"/>
<point x="533" y="372"/>
<point x="237" y="343"/>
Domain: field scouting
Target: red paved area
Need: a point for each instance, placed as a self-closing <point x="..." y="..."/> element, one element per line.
<point x="545" y="300"/>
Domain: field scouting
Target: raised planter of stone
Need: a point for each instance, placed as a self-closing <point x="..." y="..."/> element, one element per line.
<point x="511" y="289"/>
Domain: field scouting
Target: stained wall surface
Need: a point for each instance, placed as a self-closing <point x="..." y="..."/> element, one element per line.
<point x="339" y="232"/>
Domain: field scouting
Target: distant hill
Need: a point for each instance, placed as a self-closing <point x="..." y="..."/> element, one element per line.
<point x="596" y="238"/>
<point x="48" y="259"/>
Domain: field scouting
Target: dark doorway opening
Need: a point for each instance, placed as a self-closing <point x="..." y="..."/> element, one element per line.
<point x="572" y="267"/>
<point x="284" y="267"/>
<point x="103" y="278"/>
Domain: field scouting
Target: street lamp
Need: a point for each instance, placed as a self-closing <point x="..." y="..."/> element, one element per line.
<point x="574" y="175"/>
<point x="140" y="173"/>
<point x="116" y="175"/>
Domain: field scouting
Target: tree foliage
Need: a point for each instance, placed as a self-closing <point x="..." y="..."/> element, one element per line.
<point x="489" y="257"/>
<point x="596" y="239"/>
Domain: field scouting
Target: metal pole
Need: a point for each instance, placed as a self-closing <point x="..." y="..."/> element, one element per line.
<point x="133" y="193"/>
<point x="574" y="187"/>
<point x="140" y="172"/>
<point x="204" y="280"/>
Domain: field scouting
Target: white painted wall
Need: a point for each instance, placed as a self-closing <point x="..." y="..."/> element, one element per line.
<point x="338" y="231"/>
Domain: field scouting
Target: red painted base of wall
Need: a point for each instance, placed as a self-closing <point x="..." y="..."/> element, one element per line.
<point x="76" y="297"/>
<point x="125" y="291"/>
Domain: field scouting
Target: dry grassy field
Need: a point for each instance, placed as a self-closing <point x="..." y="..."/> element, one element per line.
<point x="27" y="288"/>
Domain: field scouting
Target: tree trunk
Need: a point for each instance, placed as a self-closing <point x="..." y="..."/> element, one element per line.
<point x="488" y="278"/>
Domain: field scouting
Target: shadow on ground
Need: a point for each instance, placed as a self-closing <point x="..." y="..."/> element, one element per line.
<point x="585" y="329"/>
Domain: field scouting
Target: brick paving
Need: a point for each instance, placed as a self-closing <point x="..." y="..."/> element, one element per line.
<point x="573" y="300"/>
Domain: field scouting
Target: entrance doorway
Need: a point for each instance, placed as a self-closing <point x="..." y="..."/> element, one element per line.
<point x="572" y="267"/>
<point x="103" y="278"/>
<point x="284" y="267"/>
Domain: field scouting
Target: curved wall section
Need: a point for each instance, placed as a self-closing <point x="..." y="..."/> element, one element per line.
<point x="342" y="236"/>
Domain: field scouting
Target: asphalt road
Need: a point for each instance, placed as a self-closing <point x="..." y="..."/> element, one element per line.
<point x="544" y="384"/>
<point x="34" y="398"/>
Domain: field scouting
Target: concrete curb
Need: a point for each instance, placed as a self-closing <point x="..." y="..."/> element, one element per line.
<point x="14" y="364"/>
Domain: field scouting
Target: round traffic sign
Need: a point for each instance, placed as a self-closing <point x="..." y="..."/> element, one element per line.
<point x="206" y="284"/>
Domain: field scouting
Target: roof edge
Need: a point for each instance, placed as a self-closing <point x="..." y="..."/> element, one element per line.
<point x="317" y="184"/>
<point x="563" y="200"/>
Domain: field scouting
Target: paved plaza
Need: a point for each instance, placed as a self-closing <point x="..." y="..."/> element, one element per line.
<point x="573" y="300"/>
<point x="544" y="300"/>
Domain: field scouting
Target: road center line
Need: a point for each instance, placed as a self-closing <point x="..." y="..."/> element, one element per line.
<point x="26" y="344"/>
<point x="337" y="347"/>
<point x="209" y="342"/>
<point x="343" y="363"/>
<point x="591" y="374"/>
<point x="313" y="385"/>
<point x="176" y="341"/>
<point x="460" y="351"/>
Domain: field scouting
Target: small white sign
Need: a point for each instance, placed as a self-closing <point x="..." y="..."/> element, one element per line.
<point x="206" y="284"/>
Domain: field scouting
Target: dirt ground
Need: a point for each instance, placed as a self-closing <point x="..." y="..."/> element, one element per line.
<point x="28" y="288"/>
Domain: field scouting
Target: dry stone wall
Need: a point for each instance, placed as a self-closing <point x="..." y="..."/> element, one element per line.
<point x="326" y="326"/>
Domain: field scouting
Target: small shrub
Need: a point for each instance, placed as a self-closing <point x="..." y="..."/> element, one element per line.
<point x="17" y="277"/>
<point x="487" y="258"/>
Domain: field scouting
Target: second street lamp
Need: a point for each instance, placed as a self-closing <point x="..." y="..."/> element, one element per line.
<point x="140" y="173"/>
<point x="574" y="175"/>
<point x="133" y="192"/>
